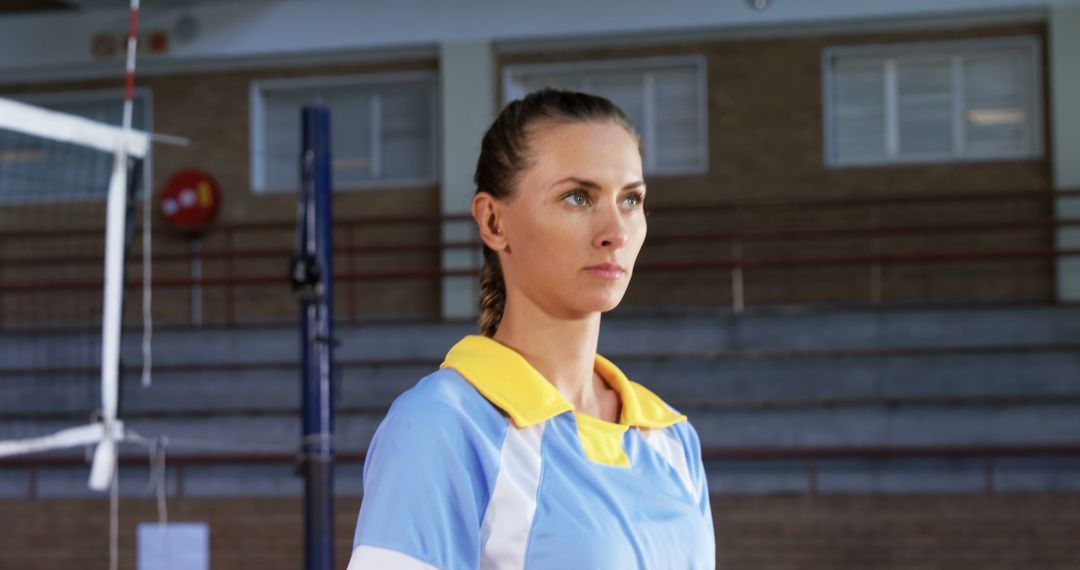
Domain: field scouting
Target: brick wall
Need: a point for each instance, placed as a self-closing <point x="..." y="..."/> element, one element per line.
<point x="765" y="143"/>
<point x="780" y="532"/>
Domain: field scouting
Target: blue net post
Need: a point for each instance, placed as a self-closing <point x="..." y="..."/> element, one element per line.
<point x="312" y="278"/>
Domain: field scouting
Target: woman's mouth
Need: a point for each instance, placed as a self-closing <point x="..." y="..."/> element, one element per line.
<point x="610" y="271"/>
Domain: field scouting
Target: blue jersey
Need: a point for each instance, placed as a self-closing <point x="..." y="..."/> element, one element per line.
<point x="484" y="464"/>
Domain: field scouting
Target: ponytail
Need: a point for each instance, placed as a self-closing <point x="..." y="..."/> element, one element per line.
<point x="492" y="294"/>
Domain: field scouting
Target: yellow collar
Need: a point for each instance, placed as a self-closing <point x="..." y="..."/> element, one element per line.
<point x="506" y="379"/>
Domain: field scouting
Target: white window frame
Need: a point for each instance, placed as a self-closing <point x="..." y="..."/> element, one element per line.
<point x="258" y="128"/>
<point x="511" y="91"/>
<point x="79" y="96"/>
<point x="953" y="50"/>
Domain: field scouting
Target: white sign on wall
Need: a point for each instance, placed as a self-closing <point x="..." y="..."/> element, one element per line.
<point x="182" y="546"/>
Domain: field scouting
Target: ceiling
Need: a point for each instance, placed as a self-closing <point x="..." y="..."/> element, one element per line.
<point x="25" y="6"/>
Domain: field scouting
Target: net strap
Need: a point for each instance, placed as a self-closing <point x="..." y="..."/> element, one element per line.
<point x="62" y="127"/>
<point x="71" y="437"/>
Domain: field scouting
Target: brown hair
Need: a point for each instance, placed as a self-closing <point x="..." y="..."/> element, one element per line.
<point x="504" y="155"/>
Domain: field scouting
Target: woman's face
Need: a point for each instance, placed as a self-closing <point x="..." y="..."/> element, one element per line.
<point x="575" y="224"/>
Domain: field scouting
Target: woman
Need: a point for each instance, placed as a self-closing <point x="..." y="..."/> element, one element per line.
<point x="527" y="449"/>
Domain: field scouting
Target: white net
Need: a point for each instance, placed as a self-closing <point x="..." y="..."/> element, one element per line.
<point x="64" y="219"/>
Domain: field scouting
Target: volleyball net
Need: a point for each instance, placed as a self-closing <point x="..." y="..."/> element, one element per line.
<point x="67" y="186"/>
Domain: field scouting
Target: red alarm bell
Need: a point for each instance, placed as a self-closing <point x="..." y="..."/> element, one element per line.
<point x="190" y="200"/>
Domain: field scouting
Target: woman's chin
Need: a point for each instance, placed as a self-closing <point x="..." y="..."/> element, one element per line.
<point x="601" y="302"/>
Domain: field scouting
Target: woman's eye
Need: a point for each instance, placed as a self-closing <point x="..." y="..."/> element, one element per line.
<point x="576" y="198"/>
<point x="631" y="200"/>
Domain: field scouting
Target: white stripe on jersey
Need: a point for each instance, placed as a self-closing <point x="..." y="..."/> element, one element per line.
<point x="673" y="452"/>
<point x="374" y="558"/>
<point x="504" y="534"/>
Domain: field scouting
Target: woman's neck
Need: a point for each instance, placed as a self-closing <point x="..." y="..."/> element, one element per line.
<point x="563" y="350"/>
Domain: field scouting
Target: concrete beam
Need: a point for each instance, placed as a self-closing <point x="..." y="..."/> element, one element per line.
<point x="229" y="30"/>
<point x="467" y="77"/>
<point x="1064" y="31"/>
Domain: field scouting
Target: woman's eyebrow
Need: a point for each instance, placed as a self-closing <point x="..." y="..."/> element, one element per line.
<point x="578" y="181"/>
<point x="593" y="185"/>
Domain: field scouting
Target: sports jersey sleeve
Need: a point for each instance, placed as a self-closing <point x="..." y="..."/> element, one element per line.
<point x="425" y="489"/>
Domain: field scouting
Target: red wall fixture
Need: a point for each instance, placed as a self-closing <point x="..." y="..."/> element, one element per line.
<point x="190" y="200"/>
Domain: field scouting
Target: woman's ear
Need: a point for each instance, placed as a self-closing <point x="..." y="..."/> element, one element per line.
<point x="487" y="211"/>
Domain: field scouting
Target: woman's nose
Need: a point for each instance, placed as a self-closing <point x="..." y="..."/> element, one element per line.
<point x="611" y="232"/>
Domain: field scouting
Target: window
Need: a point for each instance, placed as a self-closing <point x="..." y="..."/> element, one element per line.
<point x="664" y="98"/>
<point x="33" y="170"/>
<point x="382" y="130"/>
<point x="955" y="101"/>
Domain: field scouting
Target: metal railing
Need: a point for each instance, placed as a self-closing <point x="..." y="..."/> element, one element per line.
<point x="231" y="279"/>
<point x="810" y="456"/>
